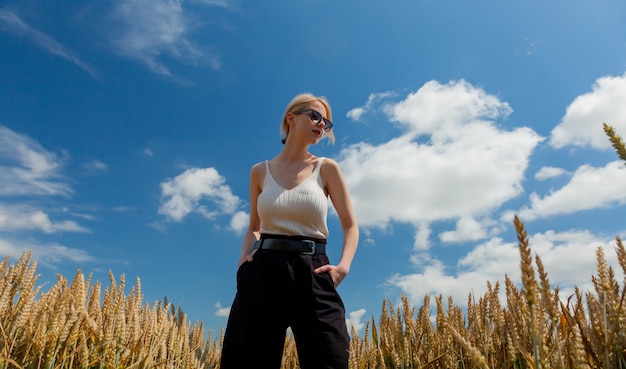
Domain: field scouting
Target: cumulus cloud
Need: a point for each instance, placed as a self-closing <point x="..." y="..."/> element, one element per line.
<point x="221" y="311"/>
<point x="239" y="222"/>
<point x="493" y="259"/>
<point x="467" y="229"/>
<point x="440" y="109"/>
<point x="354" y="320"/>
<point x="602" y="187"/>
<point x="432" y="280"/>
<point x="152" y="30"/>
<point x="422" y="235"/>
<point x="582" y="124"/>
<point x="11" y="22"/>
<point x="452" y="160"/>
<point x="549" y="172"/>
<point x="26" y="168"/>
<point x="186" y="192"/>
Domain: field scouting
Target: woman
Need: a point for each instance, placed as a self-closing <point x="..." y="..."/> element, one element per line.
<point x="284" y="277"/>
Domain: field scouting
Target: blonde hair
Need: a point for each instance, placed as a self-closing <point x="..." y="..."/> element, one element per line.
<point x="303" y="101"/>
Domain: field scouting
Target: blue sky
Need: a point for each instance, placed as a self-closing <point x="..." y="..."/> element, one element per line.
<point x="128" y="128"/>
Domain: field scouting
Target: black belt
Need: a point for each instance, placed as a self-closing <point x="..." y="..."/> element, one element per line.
<point x="306" y="247"/>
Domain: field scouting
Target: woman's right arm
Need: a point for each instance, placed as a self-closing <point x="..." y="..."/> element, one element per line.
<point x="257" y="175"/>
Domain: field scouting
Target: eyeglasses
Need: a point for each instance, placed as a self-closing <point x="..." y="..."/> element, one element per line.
<point x="317" y="118"/>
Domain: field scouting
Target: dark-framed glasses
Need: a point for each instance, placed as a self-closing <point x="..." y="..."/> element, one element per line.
<point x="317" y="118"/>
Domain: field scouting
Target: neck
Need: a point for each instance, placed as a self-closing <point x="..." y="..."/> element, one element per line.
<point x="295" y="152"/>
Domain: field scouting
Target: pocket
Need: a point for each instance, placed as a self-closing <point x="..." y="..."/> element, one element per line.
<point x="324" y="281"/>
<point x="329" y="278"/>
<point x="250" y="272"/>
<point x="241" y="271"/>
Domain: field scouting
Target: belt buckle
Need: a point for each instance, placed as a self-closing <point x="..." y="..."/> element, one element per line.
<point x="311" y="244"/>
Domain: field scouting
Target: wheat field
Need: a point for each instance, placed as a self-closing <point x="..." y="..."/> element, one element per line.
<point x="79" y="324"/>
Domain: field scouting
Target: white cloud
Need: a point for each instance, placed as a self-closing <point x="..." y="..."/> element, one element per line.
<point x="532" y="46"/>
<point x="440" y="110"/>
<point x="453" y="161"/>
<point x="26" y="168"/>
<point x="10" y="22"/>
<point x="357" y="113"/>
<point x="468" y="167"/>
<point x="582" y="123"/>
<point x="19" y="218"/>
<point x="79" y="215"/>
<point x="549" y="172"/>
<point x="467" y="229"/>
<point x="184" y="193"/>
<point x="589" y="188"/>
<point x="422" y="235"/>
<point x="221" y="311"/>
<point x="220" y="3"/>
<point x="239" y="222"/>
<point x="123" y="209"/>
<point x="433" y="280"/>
<point x="152" y="30"/>
<point x="493" y="259"/>
<point x="46" y="254"/>
<point x="354" y="320"/>
<point x="95" y="165"/>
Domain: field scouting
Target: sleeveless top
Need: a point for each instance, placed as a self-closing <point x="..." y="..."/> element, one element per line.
<point x="300" y="211"/>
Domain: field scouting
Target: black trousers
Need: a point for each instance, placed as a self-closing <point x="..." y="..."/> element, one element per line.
<point x="276" y="291"/>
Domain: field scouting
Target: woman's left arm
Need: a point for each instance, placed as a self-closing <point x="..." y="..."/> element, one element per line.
<point x="336" y="188"/>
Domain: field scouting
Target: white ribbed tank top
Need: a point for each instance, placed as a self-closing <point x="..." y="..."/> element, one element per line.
<point x="300" y="211"/>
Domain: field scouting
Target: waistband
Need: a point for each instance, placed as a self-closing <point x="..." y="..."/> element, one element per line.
<point x="302" y="246"/>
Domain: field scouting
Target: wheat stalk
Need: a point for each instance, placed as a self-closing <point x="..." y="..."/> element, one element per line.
<point x="616" y="141"/>
<point x="72" y="325"/>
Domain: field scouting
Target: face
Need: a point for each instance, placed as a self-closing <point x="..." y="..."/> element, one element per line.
<point x="305" y="121"/>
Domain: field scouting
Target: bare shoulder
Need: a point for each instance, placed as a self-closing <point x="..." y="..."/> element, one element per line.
<point x="258" y="168"/>
<point x="329" y="164"/>
<point x="257" y="175"/>
<point x="330" y="169"/>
